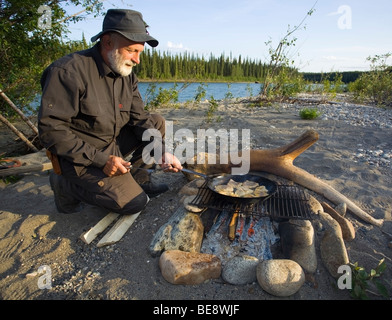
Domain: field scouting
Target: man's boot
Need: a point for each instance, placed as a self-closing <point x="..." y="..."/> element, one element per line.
<point x="143" y="178"/>
<point x="65" y="203"/>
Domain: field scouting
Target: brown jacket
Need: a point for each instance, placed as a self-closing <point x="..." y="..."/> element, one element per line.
<point x="84" y="106"/>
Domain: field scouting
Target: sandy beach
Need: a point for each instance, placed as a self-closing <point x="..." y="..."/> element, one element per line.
<point x="353" y="155"/>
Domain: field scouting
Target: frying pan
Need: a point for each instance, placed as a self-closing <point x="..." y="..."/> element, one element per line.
<point x="222" y="179"/>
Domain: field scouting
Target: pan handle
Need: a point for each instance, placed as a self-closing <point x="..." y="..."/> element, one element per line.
<point x="196" y="173"/>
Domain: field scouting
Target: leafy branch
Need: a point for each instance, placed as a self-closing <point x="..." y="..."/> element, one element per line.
<point x="213" y="106"/>
<point x="279" y="60"/>
<point x="361" y="279"/>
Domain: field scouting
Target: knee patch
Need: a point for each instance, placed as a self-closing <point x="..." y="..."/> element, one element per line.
<point x="136" y="205"/>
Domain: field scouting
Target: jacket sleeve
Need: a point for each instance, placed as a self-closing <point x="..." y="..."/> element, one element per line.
<point x="61" y="92"/>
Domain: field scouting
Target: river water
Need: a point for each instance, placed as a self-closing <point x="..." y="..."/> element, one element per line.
<point x="217" y="90"/>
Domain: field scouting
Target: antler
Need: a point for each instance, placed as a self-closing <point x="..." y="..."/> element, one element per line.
<point x="279" y="161"/>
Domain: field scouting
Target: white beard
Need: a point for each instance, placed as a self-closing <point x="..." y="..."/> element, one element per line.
<point x="119" y="64"/>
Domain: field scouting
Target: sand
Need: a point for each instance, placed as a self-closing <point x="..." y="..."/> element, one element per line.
<point x="33" y="234"/>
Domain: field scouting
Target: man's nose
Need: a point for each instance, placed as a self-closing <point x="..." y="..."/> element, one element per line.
<point x="136" y="58"/>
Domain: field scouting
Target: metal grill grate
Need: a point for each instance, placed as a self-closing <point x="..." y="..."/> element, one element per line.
<point x="289" y="202"/>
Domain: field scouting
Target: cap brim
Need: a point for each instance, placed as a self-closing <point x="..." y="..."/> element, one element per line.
<point x="137" y="37"/>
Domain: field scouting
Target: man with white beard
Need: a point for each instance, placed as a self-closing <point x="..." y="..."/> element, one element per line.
<point x="92" y="117"/>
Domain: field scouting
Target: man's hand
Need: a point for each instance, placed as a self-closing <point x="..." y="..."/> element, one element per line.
<point x="116" y="166"/>
<point x="170" y="163"/>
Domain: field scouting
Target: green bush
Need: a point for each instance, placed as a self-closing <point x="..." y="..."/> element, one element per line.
<point x="362" y="279"/>
<point x="309" y="113"/>
<point x="212" y="107"/>
<point x="285" y="84"/>
<point x="375" y="86"/>
<point x="162" y="98"/>
<point x="201" y="92"/>
<point x="334" y="86"/>
<point x="27" y="49"/>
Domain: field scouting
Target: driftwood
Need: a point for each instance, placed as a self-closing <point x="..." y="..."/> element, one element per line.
<point x="26" y="169"/>
<point x="348" y="230"/>
<point x="279" y="162"/>
<point x="18" y="133"/>
<point x="17" y="110"/>
<point x="25" y="119"/>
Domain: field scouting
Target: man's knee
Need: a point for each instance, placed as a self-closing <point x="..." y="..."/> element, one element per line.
<point x="136" y="205"/>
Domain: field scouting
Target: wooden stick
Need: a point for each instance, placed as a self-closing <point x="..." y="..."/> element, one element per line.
<point x="18" y="133"/>
<point x="233" y="225"/>
<point x="26" y="169"/>
<point x="13" y="106"/>
<point x="118" y="230"/>
<point x="91" y="234"/>
<point x="348" y="230"/>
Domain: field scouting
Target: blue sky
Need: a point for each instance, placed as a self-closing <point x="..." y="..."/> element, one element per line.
<point x="339" y="35"/>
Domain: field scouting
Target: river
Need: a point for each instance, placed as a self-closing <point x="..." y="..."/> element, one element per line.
<point x="218" y="90"/>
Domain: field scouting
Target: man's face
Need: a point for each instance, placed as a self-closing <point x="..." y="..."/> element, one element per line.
<point x="124" y="55"/>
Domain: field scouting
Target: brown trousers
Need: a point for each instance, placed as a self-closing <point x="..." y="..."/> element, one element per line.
<point x="121" y="194"/>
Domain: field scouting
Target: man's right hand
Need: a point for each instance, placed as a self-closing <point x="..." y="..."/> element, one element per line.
<point x="116" y="166"/>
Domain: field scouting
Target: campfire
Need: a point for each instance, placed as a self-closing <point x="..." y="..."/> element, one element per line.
<point x="204" y="237"/>
<point x="212" y="228"/>
<point x="234" y="227"/>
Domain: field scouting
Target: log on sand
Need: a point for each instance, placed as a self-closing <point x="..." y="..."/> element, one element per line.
<point x="279" y="161"/>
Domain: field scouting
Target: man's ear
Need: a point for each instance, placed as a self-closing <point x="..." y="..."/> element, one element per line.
<point x="107" y="41"/>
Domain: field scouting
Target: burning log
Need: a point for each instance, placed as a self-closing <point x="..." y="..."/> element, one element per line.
<point x="279" y="161"/>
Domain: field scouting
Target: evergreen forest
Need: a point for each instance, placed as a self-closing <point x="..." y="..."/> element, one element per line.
<point x="156" y="65"/>
<point x="165" y="66"/>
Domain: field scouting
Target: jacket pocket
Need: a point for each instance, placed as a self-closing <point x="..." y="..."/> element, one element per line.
<point x="89" y="118"/>
<point x="90" y="108"/>
<point x="125" y="107"/>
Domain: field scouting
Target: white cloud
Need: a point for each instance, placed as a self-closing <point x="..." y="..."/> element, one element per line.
<point x="172" y="45"/>
<point x="330" y="58"/>
<point x="339" y="59"/>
